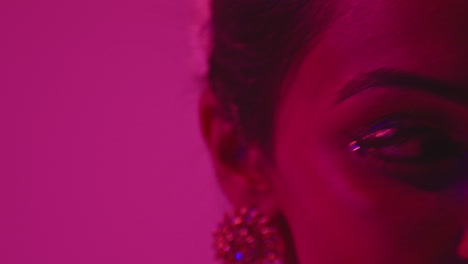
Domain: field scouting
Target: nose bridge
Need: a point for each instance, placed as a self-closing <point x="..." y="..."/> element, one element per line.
<point x="462" y="249"/>
<point x="462" y="201"/>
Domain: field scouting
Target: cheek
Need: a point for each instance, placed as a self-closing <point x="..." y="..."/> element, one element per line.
<point x="323" y="208"/>
<point x="331" y="204"/>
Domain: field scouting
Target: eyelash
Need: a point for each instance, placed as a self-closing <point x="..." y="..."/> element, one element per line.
<point x="382" y="146"/>
<point x="393" y="137"/>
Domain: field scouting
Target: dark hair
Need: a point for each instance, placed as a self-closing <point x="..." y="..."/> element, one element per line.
<point x="254" y="44"/>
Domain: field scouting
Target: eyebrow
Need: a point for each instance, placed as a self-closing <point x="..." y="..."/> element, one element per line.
<point x="402" y="79"/>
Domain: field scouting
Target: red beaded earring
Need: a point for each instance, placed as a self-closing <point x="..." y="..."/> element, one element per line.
<point x="247" y="237"/>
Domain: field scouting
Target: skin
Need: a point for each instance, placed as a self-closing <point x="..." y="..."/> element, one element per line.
<point x="344" y="206"/>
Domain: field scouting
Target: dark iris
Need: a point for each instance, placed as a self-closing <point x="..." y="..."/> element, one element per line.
<point x="416" y="144"/>
<point x="417" y="152"/>
<point x="406" y="140"/>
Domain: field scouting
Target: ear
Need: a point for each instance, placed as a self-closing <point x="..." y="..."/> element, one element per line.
<point x="242" y="170"/>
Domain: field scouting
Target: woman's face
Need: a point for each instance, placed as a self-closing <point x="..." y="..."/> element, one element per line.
<point x="371" y="137"/>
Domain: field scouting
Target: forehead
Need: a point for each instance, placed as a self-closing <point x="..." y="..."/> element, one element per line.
<point x="384" y="18"/>
<point x="425" y="36"/>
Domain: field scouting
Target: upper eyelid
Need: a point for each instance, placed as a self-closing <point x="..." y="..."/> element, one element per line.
<point x="388" y="121"/>
<point x="421" y="119"/>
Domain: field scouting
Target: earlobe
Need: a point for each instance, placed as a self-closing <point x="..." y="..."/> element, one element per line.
<point x="238" y="163"/>
<point x="219" y="134"/>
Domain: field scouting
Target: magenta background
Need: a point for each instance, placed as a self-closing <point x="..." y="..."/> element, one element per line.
<point x="100" y="156"/>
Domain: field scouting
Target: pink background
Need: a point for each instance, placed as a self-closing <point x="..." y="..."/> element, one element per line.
<point x="100" y="155"/>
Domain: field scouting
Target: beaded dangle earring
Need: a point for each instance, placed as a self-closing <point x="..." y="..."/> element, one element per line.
<point x="247" y="237"/>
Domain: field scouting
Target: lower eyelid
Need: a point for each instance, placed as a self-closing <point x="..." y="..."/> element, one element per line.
<point x="428" y="177"/>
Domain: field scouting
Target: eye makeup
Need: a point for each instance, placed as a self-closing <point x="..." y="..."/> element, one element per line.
<point x="407" y="140"/>
<point x="414" y="149"/>
<point x="404" y="136"/>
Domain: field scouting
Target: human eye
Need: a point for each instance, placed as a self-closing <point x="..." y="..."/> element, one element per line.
<point x="406" y="141"/>
<point x="415" y="150"/>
